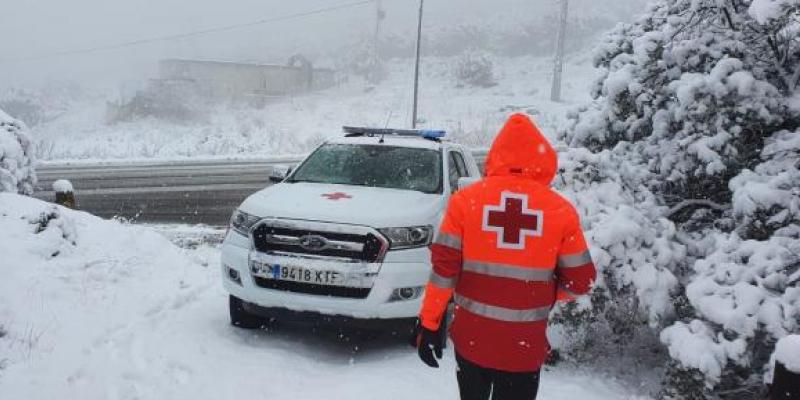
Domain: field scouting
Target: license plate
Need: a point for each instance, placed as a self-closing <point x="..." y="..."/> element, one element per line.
<point x="297" y="274"/>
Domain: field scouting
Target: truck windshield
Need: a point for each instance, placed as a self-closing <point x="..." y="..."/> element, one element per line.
<point x="373" y="165"/>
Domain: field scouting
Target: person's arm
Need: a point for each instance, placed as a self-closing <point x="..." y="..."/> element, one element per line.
<point x="575" y="271"/>
<point x="446" y="259"/>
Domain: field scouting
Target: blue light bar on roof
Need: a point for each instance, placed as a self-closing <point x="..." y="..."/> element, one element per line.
<point x="431" y="134"/>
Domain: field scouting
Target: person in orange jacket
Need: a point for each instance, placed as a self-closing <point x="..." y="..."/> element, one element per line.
<point x="508" y="248"/>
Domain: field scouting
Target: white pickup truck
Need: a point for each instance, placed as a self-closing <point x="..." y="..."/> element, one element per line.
<point x="345" y="235"/>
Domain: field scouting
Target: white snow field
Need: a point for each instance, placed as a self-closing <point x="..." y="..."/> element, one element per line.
<point x="297" y="124"/>
<point x="96" y="309"/>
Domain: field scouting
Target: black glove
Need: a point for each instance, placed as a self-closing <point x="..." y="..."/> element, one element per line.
<point x="430" y="343"/>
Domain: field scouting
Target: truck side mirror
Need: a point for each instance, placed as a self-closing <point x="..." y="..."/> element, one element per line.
<point x="465" y="181"/>
<point x="279" y="173"/>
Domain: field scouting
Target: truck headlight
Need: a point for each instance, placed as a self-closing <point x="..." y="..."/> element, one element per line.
<point x="408" y="237"/>
<point x="241" y="222"/>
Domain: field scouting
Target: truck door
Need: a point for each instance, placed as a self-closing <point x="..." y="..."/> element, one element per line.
<point x="456" y="168"/>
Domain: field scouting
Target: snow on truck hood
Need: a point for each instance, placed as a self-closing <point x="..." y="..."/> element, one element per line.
<point x="369" y="206"/>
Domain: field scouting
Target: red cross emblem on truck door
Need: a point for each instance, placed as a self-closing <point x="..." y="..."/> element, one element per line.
<point x="337" y="196"/>
<point x="512" y="220"/>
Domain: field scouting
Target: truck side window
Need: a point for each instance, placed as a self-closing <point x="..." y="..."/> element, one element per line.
<point x="456" y="168"/>
<point x="461" y="165"/>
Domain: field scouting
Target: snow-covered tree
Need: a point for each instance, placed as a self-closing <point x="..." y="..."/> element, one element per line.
<point x="702" y="100"/>
<point x="17" y="173"/>
<point x="474" y="69"/>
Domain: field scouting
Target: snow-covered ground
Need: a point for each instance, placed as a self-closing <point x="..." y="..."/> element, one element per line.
<point x="297" y="124"/>
<point x="95" y="309"/>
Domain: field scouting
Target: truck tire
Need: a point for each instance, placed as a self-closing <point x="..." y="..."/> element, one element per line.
<point x="240" y="318"/>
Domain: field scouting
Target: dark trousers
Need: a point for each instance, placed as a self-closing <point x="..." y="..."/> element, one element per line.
<point x="479" y="383"/>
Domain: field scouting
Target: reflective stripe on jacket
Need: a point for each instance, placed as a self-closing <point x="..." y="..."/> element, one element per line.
<point x="507" y="249"/>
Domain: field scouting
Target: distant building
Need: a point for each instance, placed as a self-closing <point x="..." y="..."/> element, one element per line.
<point x="184" y="86"/>
<point x="221" y="79"/>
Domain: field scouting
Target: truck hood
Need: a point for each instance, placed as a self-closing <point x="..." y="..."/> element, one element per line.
<point x="369" y="206"/>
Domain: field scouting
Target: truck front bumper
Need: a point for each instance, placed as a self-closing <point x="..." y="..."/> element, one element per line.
<point x="399" y="269"/>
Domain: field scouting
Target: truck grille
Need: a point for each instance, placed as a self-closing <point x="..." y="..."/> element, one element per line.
<point x="308" y="238"/>
<point x="308" y="288"/>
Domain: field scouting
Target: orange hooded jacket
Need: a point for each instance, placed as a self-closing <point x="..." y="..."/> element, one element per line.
<point x="508" y="247"/>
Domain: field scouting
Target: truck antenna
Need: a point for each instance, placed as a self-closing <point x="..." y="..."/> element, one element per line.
<point x="388" y="117"/>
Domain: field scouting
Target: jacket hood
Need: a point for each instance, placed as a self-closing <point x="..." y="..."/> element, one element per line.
<point x="521" y="150"/>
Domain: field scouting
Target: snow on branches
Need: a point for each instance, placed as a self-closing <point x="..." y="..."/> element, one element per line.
<point x="684" y="81"/>
<point x="633" y="245"/>
<point x="767" y="198"/>
<point x="699" y="98"/>
<point x="744" y="291"/>
<point x="17" y="173"/>
<point x="765" y="11"/>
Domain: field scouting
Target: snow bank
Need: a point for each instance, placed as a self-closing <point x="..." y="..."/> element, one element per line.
<point x="17" y="173"/>
<point x="70" y="281"/>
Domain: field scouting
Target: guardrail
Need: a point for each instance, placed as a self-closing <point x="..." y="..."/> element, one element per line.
<point x="188" y="191"/>
<point x="479" y="154"/>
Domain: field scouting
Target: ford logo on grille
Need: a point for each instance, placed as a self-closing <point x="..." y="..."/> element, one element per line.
<point x="313" y="242"/>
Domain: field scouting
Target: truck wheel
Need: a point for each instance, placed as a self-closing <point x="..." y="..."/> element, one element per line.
<point x="240" y="317"/>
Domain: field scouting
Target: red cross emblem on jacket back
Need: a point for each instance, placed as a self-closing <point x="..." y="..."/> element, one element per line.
<point x="512" y="220"/>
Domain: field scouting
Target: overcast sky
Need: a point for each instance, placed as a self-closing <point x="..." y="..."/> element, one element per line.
<point x="33" y="28"/>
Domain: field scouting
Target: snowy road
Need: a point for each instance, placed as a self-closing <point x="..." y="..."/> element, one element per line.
<point x="187" y="350"/>
<point x="204" y="192"/>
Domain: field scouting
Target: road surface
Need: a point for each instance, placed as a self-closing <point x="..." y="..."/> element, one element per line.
<point x="170" y="192"/>
<point x="160" y="192"/>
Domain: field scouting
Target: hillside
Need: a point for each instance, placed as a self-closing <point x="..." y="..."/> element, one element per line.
<point x="297" y="124"/>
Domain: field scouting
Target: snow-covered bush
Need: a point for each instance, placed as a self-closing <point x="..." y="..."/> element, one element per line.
<point x="635" y="251"/>
<point x="17" y="172"/>
<point x="744" y="293"/>
<point x="699" y="97"/>
<point x="173" y="102"/>
<point x="24" y="109"/>
<point x="53" y="220"/>
<point x="454" y="39"/>
<point x="768" y="198"/>
<point x="633" y="244"/>
<point x="363" y="59"/>
<point x="787" y="352"/>
<point x="474" y="69"/>
<point x="37" y="105"/>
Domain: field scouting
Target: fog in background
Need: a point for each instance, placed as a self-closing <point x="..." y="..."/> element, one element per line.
<point x="33" y="30"/>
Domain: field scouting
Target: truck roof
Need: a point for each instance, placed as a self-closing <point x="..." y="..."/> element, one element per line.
<point x="390" y="140"/>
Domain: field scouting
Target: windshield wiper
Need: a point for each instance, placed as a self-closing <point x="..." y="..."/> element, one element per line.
<point x="301" y="180"/>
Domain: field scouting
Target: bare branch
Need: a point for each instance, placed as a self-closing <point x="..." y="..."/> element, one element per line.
<point x="728" y="18"/>
<point x="695" y="203"/>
